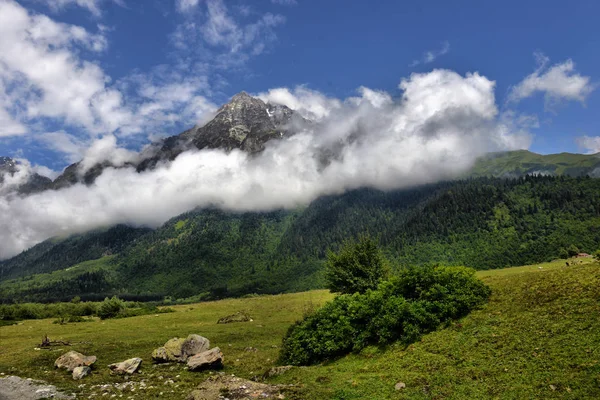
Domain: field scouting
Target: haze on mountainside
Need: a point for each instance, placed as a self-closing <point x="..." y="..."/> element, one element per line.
<point x="280" y="148"/>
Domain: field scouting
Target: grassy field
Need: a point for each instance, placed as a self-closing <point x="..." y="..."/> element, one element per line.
<point x="539" y="337"/>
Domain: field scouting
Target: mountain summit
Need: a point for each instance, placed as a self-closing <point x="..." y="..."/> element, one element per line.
<point x="245" y="123"/>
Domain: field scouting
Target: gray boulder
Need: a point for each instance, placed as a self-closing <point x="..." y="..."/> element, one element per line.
<point x="73" y="359"/>
<point x="179" y="350"/>
<point x="126" y="367"/>
<point x="81" y="372"/>
<point x="211" y="359"/>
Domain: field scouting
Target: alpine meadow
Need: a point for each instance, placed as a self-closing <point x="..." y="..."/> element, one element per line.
<point x="236" y="200"/>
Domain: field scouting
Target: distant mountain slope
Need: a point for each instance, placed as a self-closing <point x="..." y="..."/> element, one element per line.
<point x="522" y="162"/>
<point x="480" y="222"/>
<point x="59" y="253"/>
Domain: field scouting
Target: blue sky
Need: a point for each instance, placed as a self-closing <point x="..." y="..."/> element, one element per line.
<point x="142" y="69"/>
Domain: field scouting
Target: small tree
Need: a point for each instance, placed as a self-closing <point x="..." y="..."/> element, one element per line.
<point x="357" y="267"/>
<point x="597" y="255"/>
<point x="573" y="250"/>
<point x="110" y="308"/>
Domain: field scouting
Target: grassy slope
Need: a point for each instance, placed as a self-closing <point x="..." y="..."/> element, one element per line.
<point x="40" y="281"/>
<point x="515" y="163"/>
<point x="539" y="329"/>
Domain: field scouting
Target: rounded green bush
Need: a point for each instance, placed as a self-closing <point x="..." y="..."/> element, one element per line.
<point x="416" y="301"/>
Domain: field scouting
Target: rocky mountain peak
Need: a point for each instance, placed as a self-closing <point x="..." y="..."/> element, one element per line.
<point x="7" y="164"/>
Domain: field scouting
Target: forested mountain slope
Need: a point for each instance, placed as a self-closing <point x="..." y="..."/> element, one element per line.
<point x="482" y="223"/>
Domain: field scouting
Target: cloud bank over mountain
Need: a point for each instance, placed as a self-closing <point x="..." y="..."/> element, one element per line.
<point x="435" y="131"/>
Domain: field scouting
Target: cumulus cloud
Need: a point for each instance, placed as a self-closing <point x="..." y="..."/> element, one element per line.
<point x="589" y="143"/>
<point x="309" y="103"/>
<point x="431" y="55"/>
<point x="435" y="131"/>
<point x="45" y="82"/>
<point x="558" y="82"/>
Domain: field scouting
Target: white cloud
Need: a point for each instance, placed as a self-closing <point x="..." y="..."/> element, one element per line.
<point x="309" y="103"/>
<point x="589" y="143"/>
<point x="68" y="145"/>
<point x="45" y="82"/>
<point x="223" y="41"/>
<point x="431" y="55"/>
<point x="39" y="52"/>
<point x="442" y="123"/>
<point x="558" y="82"/>
<point x="93" y="6"/>
<point x="186" y="5"/>
<point x="106" y="149"/>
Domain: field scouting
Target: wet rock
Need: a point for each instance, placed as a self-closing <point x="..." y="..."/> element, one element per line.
<point x="73" y="359"/>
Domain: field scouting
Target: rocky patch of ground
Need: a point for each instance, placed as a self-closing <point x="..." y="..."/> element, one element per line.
<point x="15" y="388"/>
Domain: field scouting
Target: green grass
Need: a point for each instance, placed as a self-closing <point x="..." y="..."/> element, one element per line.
<point x="538" y="337"/>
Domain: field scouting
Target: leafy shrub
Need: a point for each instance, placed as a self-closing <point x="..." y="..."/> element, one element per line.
<point x="110" y="308"/>
<point x="597" y="255"/>
<point x="357" y="267"/>
<point x="415" y="302"/>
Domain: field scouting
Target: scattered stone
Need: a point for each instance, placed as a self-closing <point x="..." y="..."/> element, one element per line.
<point x="211" y="359"/>
<point x="179" y="349"/>
<point x="276" y="371"/>
<point x="552" y="387"/>
<point x="81" y="372"/>
<point x="239" y="316"/>
<point x="231" y="387"/>
<point x="126" y="367"/>
<point x="13" y="387"/>
<point x="73" y="359"/>
<point x="400" y="386"/>
<point x="251" y="349"/>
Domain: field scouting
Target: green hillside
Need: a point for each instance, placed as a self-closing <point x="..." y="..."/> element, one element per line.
<point x="535" y="339"/>
<point x="59" y="253"/>
<point x="484" y="223"/>
<point x="518" y="163"/>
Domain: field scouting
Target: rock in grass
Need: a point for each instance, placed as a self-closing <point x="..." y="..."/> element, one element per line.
<point x="400" y="386"/>
<point x="73" y="359"/>
<point x="211" y="359"/>
<point x="237" y="317"/>
<point x="276" y="371"/>
<point x="179" y="349"/>
<point x="127" y="366"/>
<point x="81" y="372"/>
